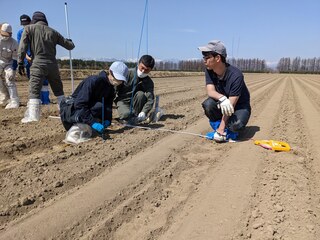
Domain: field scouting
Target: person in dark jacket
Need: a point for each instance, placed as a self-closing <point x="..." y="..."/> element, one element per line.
<point x="85" y="105"/>
<point x="42" y="41"/>
<point x="135" y="98"/>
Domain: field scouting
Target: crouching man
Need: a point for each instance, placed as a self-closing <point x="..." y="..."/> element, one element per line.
<point x="228" y="104"/>
<point x="83" y="110"/>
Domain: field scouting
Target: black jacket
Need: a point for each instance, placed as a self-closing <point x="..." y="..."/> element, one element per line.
<point x="90" y="91"/>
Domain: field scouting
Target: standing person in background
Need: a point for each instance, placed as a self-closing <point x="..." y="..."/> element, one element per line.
<point x="24" y="21"/>
<point x="43" y="41"/>
<point x="135" y="98"/>
<point x="8" y="66"/>
<point x="228" y="104"/>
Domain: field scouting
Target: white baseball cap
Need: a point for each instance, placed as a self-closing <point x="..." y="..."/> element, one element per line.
<point x="119" y="70"/>
<point x="6" y="30"/>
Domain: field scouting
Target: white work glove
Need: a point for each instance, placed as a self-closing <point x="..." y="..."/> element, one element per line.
<point x="141" y="117"/>
<point x="219" y="137"/>
<point x="225" y="106"/>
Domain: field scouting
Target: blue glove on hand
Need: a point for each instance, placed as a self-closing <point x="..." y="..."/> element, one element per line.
<point x="98" y="127"/>
<point x="106" y="123"/>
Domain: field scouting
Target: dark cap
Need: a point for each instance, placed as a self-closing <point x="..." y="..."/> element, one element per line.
<point x="24" y="20"/>
<point x="39" y="16"/>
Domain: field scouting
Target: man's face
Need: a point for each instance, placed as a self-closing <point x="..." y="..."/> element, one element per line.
<point x="113" y="80"/>
<point x="143" y="68"/>
<point x="209" y="60"/>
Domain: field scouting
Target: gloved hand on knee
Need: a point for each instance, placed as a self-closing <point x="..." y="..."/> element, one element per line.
<point x="98" y="127"/>
<point x="225" y="106"/>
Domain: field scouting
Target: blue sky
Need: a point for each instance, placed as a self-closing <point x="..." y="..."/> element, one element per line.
<point x="268" y="29"/>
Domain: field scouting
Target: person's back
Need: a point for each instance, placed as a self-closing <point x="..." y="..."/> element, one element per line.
<point x="43" y="41"/>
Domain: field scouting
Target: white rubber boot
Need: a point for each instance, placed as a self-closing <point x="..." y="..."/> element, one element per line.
<point x="14" y="99"/>
<point x="4" y="96"/>
<point x="32" y="113"/>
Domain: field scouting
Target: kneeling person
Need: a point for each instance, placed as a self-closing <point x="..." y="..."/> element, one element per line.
<point x="84" y="106"/>
<point x="135" y="98"/>
<point x="228" y="104"/>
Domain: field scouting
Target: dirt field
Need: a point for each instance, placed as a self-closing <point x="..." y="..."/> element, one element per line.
<point x="152" y="184"/>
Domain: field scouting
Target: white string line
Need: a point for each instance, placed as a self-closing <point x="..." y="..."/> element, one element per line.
<point x="155" y="129"/>
<point x="165" y="130"/>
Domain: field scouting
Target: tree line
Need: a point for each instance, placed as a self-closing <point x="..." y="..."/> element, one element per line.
<point x="285" y="65"/>
<point x="298" y="65"/>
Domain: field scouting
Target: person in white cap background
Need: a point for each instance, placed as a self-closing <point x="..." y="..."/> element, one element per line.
<point x="42" y="41"/>
<point x="135" y="99"/>
<point x="228" y="103"/>
<point x="91" y="103"/>
<point x="8" y="66"/>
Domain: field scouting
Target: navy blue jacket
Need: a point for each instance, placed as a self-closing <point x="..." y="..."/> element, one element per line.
<point x="90" y="92"/>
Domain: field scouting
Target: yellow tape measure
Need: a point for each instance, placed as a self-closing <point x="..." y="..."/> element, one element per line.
<point x="273" y="145"/>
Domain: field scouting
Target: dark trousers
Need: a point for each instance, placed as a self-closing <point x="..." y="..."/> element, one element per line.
<point x="139" y="100"/>
<point x="69" y="115"/>
<point x="237" y="121"/>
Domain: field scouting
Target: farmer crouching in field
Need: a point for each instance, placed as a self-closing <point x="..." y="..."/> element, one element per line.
<point x="83" y="110"/>
<point x="42" y="41"/>
<point x="228" y="105"/>
<point x="135" y="98"/>
<point x="8" y="66"/>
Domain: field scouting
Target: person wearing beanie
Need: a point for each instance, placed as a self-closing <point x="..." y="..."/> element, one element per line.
<point x="135" y="99"/>
<point x="44" y="94"/>
<point x="43" y="40"/>
<point x="8" y="66"/>
<point x="91" y="102"/>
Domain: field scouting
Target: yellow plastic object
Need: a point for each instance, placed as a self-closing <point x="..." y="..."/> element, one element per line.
<point x="273" y="145"/>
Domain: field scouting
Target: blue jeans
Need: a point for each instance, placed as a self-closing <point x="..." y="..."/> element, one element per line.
<point x="236" y="122"/>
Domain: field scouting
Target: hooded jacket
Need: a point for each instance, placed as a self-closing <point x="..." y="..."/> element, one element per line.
<point x="43" y="41"/>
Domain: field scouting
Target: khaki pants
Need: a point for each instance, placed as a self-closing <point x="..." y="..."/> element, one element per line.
<point x="38" y="73"/>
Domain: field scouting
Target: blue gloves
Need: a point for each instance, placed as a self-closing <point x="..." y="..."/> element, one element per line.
<point x="98" y="127"/>
<point x="106" y="123"/>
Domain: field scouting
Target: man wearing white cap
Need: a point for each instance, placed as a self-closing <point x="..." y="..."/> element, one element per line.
<point x="228" y="104"/>
<point x="85" y="105"/>
<point x="8" y="66"/>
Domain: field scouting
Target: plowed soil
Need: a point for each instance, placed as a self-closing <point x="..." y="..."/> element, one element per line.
<point x="157" y="184"/>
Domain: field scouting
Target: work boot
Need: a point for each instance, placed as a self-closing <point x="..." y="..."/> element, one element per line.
<point x="32" y="113"/>
<point x="4" y="96"/>
<point x="14" y="99"/>
<point x="44" y="94"/>
<point x="13" y="103"/>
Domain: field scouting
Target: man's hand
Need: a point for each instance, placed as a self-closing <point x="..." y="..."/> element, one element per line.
<point x="98" y="127"/>
<point x="141" y="117"/>
<point x="225" y="106"/>
<point x="21" y="69"/>
<point x="218" y="137"/>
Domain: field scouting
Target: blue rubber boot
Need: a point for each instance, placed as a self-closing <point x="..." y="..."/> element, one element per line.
<point x="44" y="94"/>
